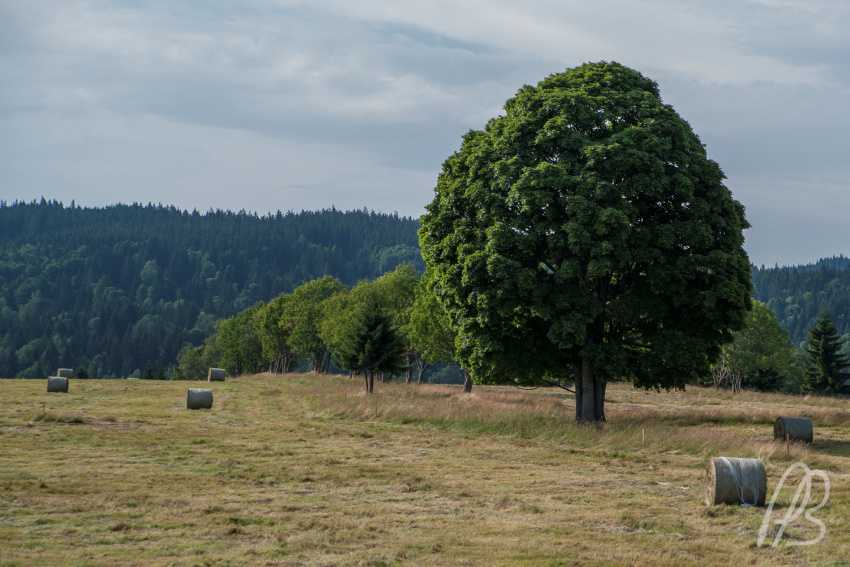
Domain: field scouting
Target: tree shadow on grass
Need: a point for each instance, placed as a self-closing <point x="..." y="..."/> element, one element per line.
<point x="834" y="447"/>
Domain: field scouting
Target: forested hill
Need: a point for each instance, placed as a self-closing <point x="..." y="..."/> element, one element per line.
<point x="798" y="293"/>
<point x="116" y="288"/>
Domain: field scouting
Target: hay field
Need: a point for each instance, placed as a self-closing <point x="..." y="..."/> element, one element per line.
<point x="308" y="470"/>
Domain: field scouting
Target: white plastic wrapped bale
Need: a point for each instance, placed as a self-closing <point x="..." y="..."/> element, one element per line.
<point x="793" y="429"/>
<point x="65" y="373"/>
<point x="198" y="398"/>
<point x="729" y="480"/>
<point x="57" y="384"/>
<point x="216" y="375"/>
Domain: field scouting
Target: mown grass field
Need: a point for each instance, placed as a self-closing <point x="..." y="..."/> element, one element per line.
<point x="308" y="470"/>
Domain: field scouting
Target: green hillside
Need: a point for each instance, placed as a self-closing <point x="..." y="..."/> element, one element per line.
<point x="116" y="288"/>
<point x="798" y="293"/>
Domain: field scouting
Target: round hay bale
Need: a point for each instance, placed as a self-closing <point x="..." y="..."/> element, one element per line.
<point x="132" y="378"/>
<point x="57" y="384"/>
<point x="729" y="480"/>
<point x="793" y="429"/>
<point x="65" y="373"/>
<point x="197" y="398"/>
<point x="216" y="375"/>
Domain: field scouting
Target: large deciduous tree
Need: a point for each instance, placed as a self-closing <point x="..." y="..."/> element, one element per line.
<point x="302" y="317"/>
<point x="587" y="231"/>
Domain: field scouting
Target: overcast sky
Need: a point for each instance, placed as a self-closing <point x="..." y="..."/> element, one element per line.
<point x="274" y="105"/>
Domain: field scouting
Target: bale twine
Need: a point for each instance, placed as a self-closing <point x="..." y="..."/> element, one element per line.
<point x="65" y="373"/>
<point x="793" y="429"/>
<point x="216" y="375"/>
<point x="197" y="398"/>
<point x="57" y="384"/>
<point x="729" y="480"/>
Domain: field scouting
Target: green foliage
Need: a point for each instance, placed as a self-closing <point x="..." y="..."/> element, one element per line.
<point x="192" y="363"/>
<point x="587" y="225"/>
<point x="760" y="356"/>
<point x="81" y="372"/>
<point x="826" y="363"/>
<point x="116" y="287"/>
<point x="431" y="337"/>
<point x="177" y="373"/>
<point x="148" y="375"/>
<point x="429" y="329"/>
<point x="274" y="336"/>
<point x="303" y="317"/>
<point x="369" y="343"/>
<point x="798" y="293"/>
<point x="393" y="294"/>
<point x="239" y="346"/>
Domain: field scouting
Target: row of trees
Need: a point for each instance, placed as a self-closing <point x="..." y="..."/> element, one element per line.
<point x="395" y="326"/>
<point x="390" y="326"/>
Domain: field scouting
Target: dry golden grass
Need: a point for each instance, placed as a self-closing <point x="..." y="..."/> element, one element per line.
<point x="308" y="470"/>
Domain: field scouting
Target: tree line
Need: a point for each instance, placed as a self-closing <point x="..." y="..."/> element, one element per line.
<point x="391" y="326"/>
<point x="395" y="326"/>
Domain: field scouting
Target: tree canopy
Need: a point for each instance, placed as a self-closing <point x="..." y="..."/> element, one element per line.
<point x="587" y="229"/>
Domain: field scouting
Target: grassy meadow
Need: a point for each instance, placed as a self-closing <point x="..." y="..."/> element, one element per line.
<point x="309" y="470"/>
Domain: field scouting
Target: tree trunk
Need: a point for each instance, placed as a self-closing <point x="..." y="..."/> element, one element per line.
<point x="371" y="382"/>
<point x="285" y="362"/>
<point x="590" y="397"/>
<point x="737" y="378"/>
<point x="423" y="366"/>
<point x="577" y="370"/>
<point x="411" y="358"/>
<point x="366" y="377"/>
<point x="467" y="382"/>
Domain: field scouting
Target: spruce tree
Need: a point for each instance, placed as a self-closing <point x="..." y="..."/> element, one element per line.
<point x="826" y="363"/>
<point x="370" y="344"/>
<point x="148" y="372"/>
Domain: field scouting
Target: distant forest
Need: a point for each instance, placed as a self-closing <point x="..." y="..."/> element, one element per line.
<point x="798" y="293"/>
<point x="117" y="288"/>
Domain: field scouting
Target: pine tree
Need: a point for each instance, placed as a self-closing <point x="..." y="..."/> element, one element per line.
<point x="148" y="372"/>
<point x="369" y="344"/>
<point x="826" y="363"/>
